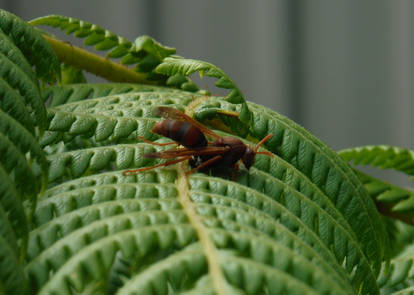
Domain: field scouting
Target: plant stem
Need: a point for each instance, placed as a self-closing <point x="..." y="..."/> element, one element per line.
<point x="95" y="64"/>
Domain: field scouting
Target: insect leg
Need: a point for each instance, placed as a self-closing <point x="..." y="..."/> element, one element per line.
<point x="131" y="172"/>
<point x="206" y="163"/>
<point x="155" y="143"/>
<point x="235" y="171"/>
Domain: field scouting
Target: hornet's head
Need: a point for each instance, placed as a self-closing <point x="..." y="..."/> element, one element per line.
<point x="250" y="153"/>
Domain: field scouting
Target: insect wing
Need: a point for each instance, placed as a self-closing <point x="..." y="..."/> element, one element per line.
<point x="171" y="113"/>
<point x="188" y="152"/>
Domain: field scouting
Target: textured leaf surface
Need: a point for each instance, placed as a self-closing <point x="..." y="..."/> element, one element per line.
<point x="12" y="277"/>
<point x="13" y="53"/>
<point x="399" y="199"/>
<point x="381" y="156"/>
<point x="31" y="44"/>
<point x="18" y="80"/>
<point x="300" y="222"/>
<point x="399" y="277"/>
<point x="280" y="226"/>
<point x="12" y="205"/>
<point x="322" y="166"/>
<point x="144" y="53"/>
<point x="22" y="138"/>
<point x="396" y="202"/>
<point x="95" y="35"/>
<point x="12" y="103"/>
<point x="172" y="66"/>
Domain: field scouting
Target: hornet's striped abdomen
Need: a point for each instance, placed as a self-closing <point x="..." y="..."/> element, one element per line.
<point x="182" y="132"/>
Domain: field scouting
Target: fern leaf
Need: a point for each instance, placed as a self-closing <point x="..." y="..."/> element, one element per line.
<point x="274" y="183"/>
<point x="398" y="199"/>
<point x="44" y="210"/>
<point x="58" y="95"/>
<point x="145" y="53"/>
<point x="381" y="156"/>
<point x="322" y="166"/>
<point x="399" y="275"/>
<point x="13" y="104"/>
<point x="172" y="66"/>
<point x="101" y="207"/>
<point x="71" y="75"/>
<point x="7" y="232"/>
<point x="93" y="260"/>
<point x="12" y="205"/>
<point x="145" y="45"/>
<point x="12" y="277"/>
<point x="95" y="35"/>
<point x="392" y="201"/>
<point x="36" y="50"/>
<point x="120" y="117"/>
<point x="22" y="139"/>
<point x="14" y="162"/>
<point x="13" y="53"/>
<point x="18" y="80"/>
<point x="355" y="263"/>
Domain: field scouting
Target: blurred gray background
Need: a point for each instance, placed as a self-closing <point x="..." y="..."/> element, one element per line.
<point x="342" y="69"/>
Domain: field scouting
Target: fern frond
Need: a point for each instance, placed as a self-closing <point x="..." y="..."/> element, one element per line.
<point x="381" y="156"/>
<point x="95" y="36"/>
<point x="110" y="119"/>
<point x="19" y="81"/>
<point x="12" y="205"/>
<point x="36" y="50"/>
<point x="105" y="206"/>
<point x="71" y="75"/>
<point x="12" y="52"/>
<point x="14" y="162"/>
<point x="81" y="261"/>
<point x="393" y="198"/>
<point x="58" y="95"/>
<point x="322" y="166"/>
<point x="13" y="103"/>
<point x="172" y="66"/>
<point x="114" y="177"/>
<point x="7" y="232"/>
<point x="12" y="277"/>
<point x="399" y="275"/>
<point x="301" y="221"/>
<point x="144" y="53"/>
<point x="22" y="138"/>
<point x="300" y="216"/>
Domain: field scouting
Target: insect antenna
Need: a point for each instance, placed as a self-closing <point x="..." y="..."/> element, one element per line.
<point x="264" y="139"/>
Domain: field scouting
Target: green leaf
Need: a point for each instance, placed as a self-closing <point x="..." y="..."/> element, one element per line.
<point x="37" y="51"/>
<point x="173" y="66"/>
<point x="71" y="93"/>
<point x="322" y="166"/>
<point x="22" y="138"/>
<point x="12" y="205"/>
<point x="7" y="232"/>
<point x="392" y="201"/>
<point x="14" y="162"/>
<point x="13" y="53"/>
<point x="381" y="156"/>
<point x="12" y="277"/>
<point x="95" y="35"/>
<point x="71" y="75"/>
<point x="399" y="276"/>
<point x="144" y="53"/>
<point x="13" y="104"/>
<point x="19" y="81"/>
<point x="300" y="221"/>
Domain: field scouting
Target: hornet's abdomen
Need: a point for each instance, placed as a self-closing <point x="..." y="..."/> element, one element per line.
<point x="182" y="132"/>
